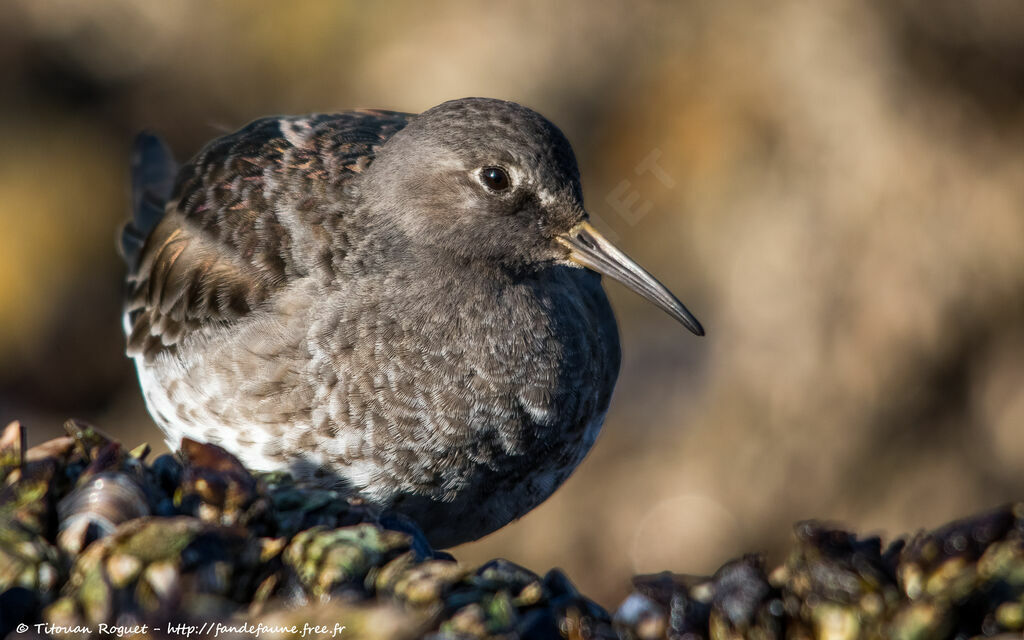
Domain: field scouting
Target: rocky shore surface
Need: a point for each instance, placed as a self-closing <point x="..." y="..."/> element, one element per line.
<point x="98" y="540"/>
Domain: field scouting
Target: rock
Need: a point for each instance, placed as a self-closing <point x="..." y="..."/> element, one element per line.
<point x="91" y="533"/>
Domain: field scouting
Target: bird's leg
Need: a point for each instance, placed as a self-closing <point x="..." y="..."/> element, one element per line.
<point x="395" y="521"/>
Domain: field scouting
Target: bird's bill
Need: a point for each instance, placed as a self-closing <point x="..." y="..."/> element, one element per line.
<point x="590" y="249"/>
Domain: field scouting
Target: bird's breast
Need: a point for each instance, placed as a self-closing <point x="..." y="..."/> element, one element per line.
<point x="457" y="374"/>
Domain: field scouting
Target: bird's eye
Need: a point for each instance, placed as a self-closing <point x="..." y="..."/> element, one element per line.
<point x="495" y="178"/>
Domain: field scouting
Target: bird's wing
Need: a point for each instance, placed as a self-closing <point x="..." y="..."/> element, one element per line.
<point x="229" y="231"/>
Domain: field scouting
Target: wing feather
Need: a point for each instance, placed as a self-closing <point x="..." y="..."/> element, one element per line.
<point x="220" y="248"/>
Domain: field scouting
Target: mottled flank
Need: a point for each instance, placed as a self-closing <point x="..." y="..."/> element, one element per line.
<point x="340" y="296"/>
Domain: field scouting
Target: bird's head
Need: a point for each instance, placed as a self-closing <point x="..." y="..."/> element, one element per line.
<point x="488" y="181"/>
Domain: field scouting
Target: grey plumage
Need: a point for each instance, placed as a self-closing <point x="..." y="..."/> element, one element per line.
<point x="345" y="296"/>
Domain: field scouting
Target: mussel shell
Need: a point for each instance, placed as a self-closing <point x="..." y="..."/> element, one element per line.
<point x="94" y="509"/>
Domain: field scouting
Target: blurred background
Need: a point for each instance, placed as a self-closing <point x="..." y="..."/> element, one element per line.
<point x="836" y="189"/>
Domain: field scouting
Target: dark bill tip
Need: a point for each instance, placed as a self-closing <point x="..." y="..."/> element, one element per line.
<point x="590" y="249"/>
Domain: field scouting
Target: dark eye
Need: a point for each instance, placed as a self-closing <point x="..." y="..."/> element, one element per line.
<point x="495" y="178"/>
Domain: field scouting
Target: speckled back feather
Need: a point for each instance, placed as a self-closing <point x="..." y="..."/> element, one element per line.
<point x="221" y="247"/>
